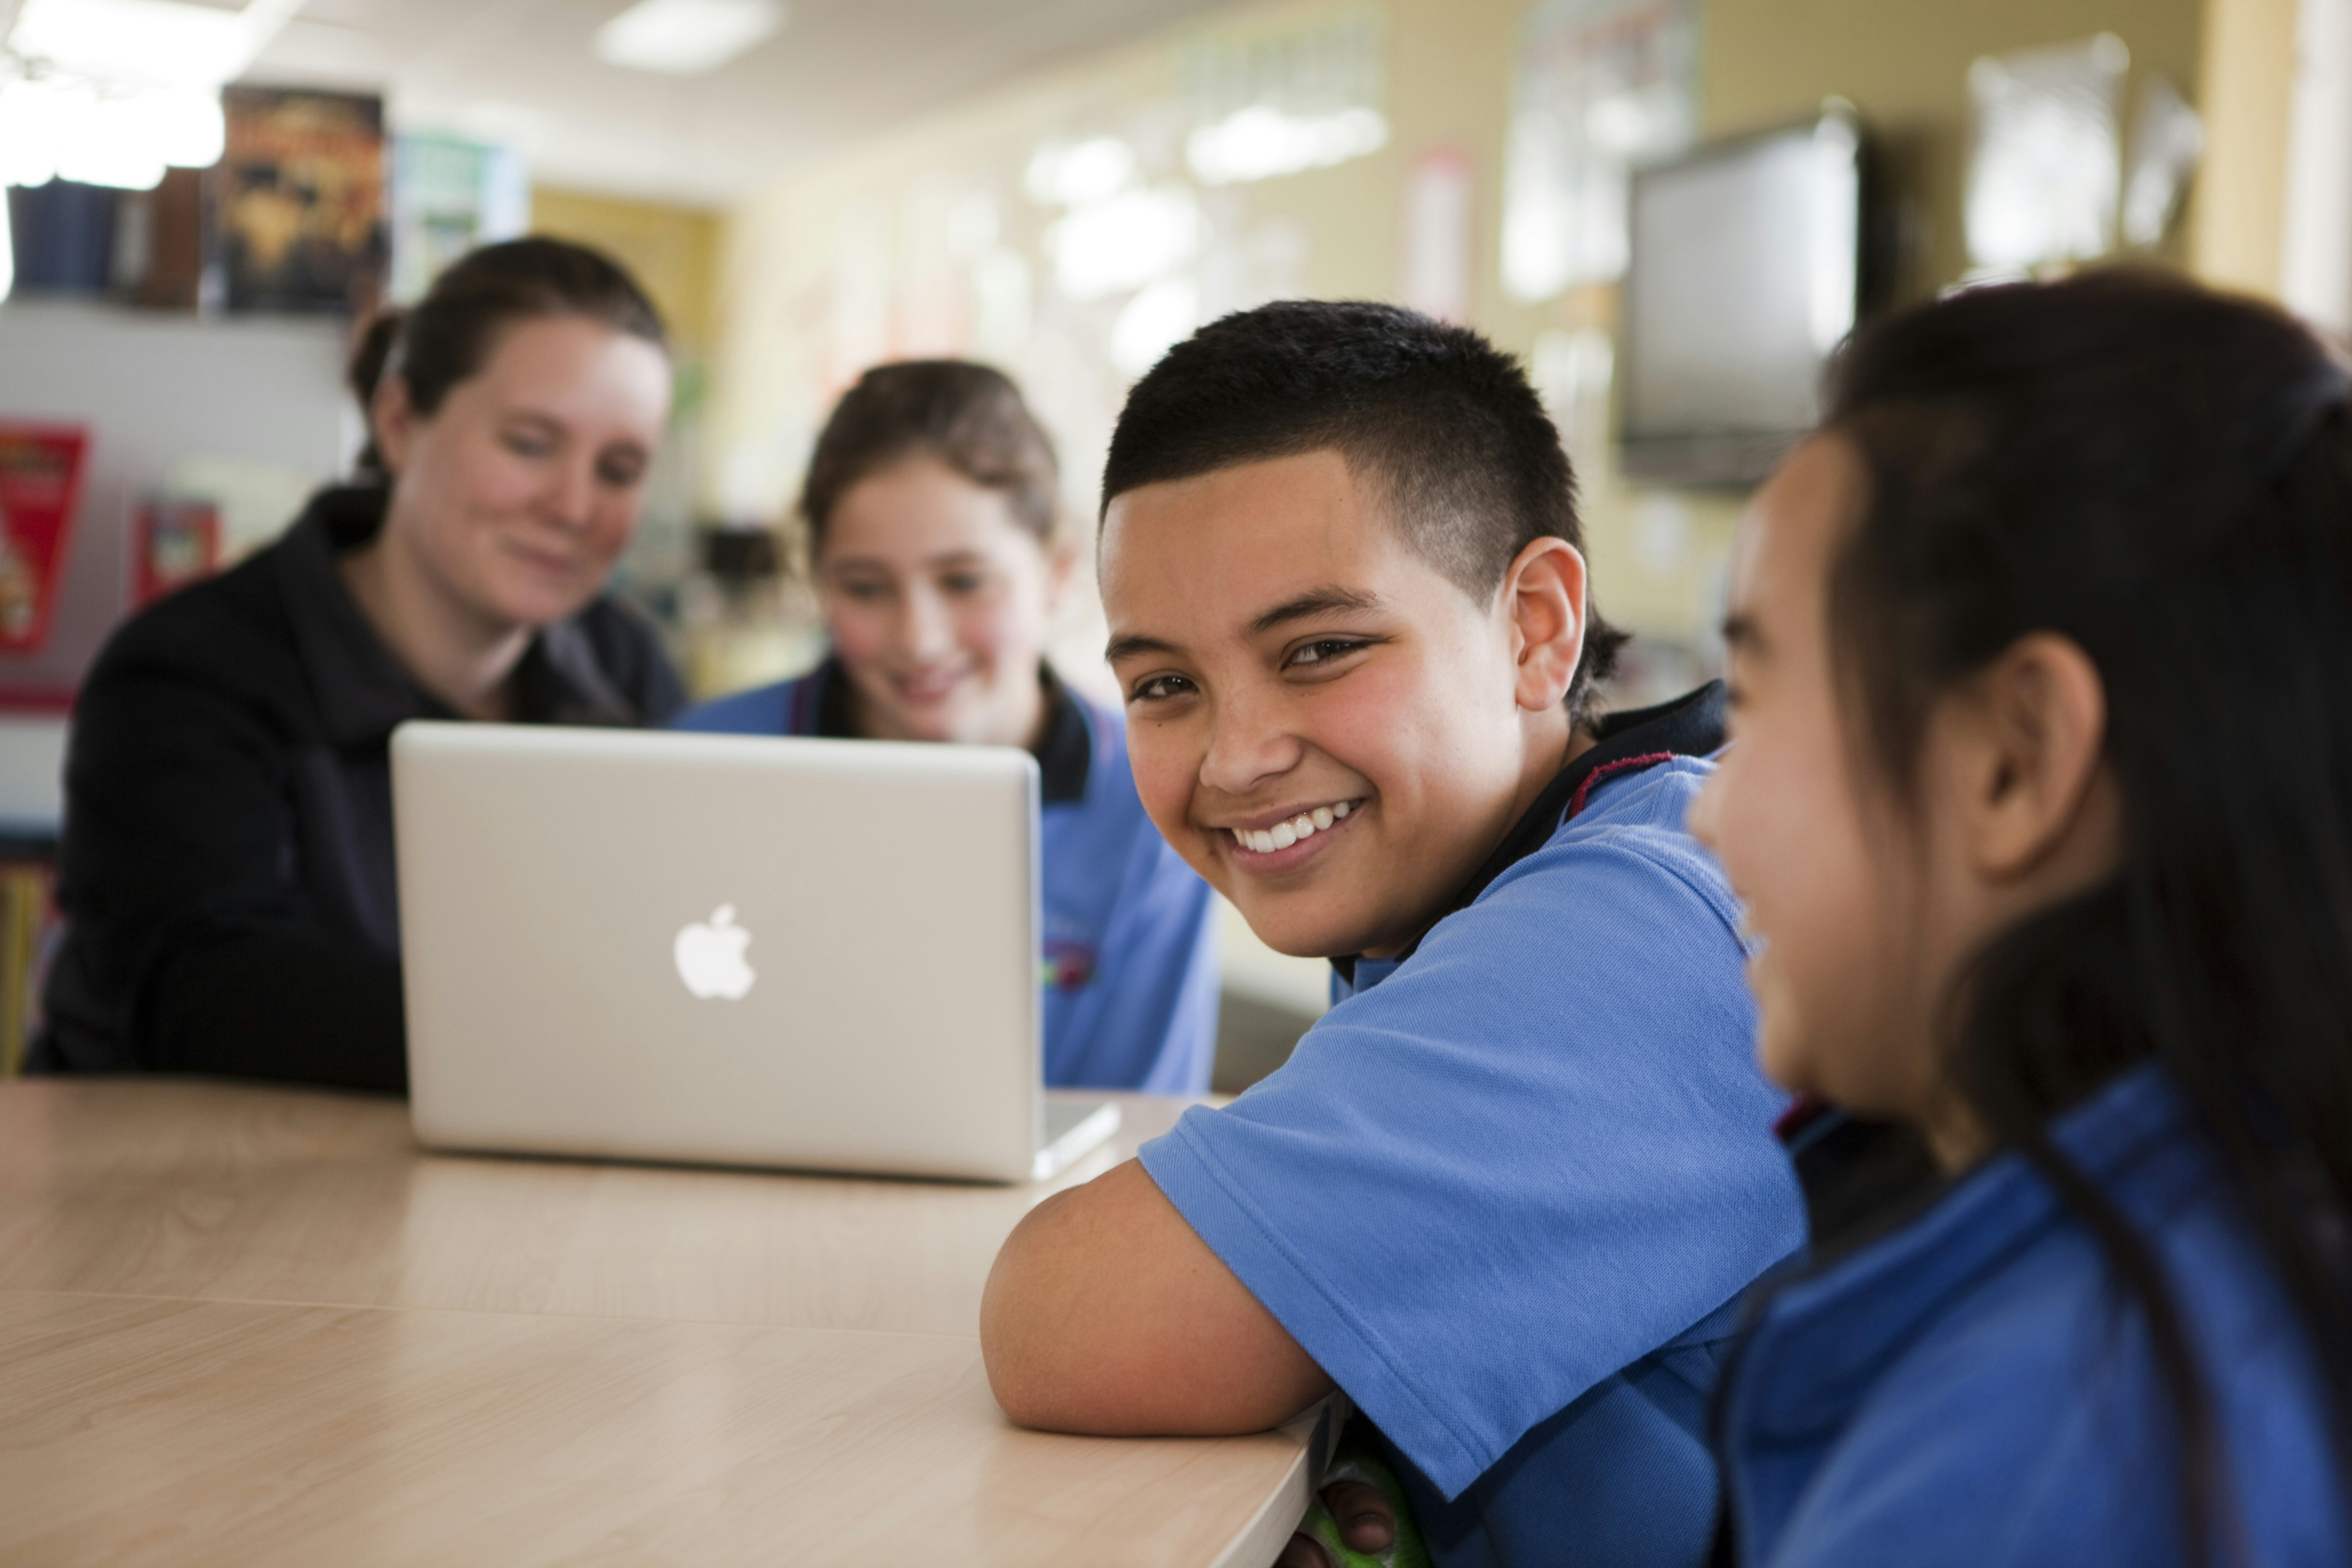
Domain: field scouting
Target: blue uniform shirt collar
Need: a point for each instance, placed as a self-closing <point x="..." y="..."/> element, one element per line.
<point x="1689" y="726"/>
<point x="1823" y="1341"/>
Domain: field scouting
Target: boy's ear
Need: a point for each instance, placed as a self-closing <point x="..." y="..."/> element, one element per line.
<point x="1543" y="597"/>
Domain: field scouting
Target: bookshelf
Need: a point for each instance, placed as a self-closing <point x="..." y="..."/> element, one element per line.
<point x="27" y="931"/>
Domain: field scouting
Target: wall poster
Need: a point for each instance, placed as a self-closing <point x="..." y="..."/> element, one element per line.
<point x="40" y="477"/>
<point x="298" y="200"/>
<point x="448" y="196"/>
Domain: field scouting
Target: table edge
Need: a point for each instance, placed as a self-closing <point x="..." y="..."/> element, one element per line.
<point x="1261" y="1541"/>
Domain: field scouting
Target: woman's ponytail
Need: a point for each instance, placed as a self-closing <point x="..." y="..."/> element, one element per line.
<point x="364" y="373"/>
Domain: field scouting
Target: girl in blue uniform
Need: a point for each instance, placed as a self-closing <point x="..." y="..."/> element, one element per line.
<point x="2039" y="797"/>
<point x="931" y="502"/>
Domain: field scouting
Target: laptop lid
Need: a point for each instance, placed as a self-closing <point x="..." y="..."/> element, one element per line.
<point x="810" y="954"/>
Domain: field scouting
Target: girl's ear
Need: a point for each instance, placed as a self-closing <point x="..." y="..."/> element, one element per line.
<point x="1543" y="595"/>
<point x="2028" y="739"/>
<point x="392" y="419"/>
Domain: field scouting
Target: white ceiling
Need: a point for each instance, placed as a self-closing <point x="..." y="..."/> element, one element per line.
<point x="522" y="71"/>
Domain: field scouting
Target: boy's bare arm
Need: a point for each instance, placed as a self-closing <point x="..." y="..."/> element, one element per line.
<point x="1106" y="1314"/>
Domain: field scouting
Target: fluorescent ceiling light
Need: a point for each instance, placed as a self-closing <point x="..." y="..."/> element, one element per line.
<point x="1063" y="175"/>
<point x="686" y="37"/>
<point x="68" y="126"/>
<point x="148" y="42"/>
<point x="1262" y="142"/>
<point x="123" y="88"/>
<point x="1132" y="239"/>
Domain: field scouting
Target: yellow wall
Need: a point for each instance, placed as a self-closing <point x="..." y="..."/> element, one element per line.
<point x="673" y="251"/>
<point x="2246" y="91"/>
<point x="1658" y="557"/>
<point x="1903" y="63"/>
<point x="1449" y="83"/>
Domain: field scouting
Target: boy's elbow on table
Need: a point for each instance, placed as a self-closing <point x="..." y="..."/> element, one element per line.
<point x="1131" y="1339"/>
<point x="1050" y="1364"/>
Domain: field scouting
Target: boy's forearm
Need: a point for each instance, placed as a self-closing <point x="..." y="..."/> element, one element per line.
<point x="1106" y="1314"/>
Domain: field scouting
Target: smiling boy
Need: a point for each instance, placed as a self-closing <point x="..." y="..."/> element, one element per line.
<point x="1506" y="1192"/>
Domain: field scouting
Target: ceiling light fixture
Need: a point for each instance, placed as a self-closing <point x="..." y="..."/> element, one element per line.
<point x="1134" y="238"/>
<point x="111" y="92"/>
<point x="1062" y="175"/>
<point x="1262" y="142"/>
<point x="686" y="37"/>
<point x="147" y="43"/>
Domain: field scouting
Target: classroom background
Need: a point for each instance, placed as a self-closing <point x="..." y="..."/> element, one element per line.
<point x="1063" y="190"/>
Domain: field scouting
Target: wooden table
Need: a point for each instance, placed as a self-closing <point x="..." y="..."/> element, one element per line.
<point x="256" y="1326"/>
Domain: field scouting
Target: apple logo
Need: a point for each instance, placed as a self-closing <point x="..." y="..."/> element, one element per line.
<point x="710" y="957"/>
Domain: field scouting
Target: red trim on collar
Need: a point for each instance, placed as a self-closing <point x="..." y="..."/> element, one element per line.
<point x="1623" y="764"/>
<point x="1802" y="1113"/>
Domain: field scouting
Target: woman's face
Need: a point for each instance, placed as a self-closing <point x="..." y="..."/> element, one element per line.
<point x="519" y="492"/>
<point x="936" y="600"/>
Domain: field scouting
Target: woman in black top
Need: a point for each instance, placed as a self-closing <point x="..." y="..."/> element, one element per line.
<point x="227" y="874"/>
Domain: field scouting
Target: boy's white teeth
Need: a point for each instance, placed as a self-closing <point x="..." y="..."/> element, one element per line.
<point x="1283" y="835"/>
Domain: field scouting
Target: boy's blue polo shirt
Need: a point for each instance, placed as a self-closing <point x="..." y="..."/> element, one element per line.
<point x="1129" y="938"/>
<point x="1507" y="1192"/>
<point x="1977" y="1386"/>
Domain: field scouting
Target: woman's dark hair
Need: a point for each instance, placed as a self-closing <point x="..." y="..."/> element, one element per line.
<point x="2163" y="475"/>
<point x="448" y="335"/>
<point x="968" y="416"/>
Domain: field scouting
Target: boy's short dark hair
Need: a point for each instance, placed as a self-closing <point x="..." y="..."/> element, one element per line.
<point x="1471" y="466"/>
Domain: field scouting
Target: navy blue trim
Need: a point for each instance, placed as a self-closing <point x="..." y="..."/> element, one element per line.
<point x="1689" y="726"/>
<point x="1065" y="752"/>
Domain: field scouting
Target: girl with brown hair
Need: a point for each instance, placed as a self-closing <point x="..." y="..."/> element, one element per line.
<point x="931" y="504"/>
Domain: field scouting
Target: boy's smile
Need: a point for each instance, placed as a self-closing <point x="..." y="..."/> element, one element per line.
<point x="1258" y="844"/>
<point x="1321" y="722"/>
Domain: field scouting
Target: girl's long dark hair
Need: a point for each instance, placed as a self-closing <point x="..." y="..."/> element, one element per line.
<point x="2164" y="476"/>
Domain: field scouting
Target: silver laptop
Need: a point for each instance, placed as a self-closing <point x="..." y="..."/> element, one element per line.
<point x="801" y="953"/>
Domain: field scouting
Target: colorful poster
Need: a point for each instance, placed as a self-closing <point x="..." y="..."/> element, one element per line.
<point x="448" y="197"/>
<point x="298" y="200"/>
<point x="40" y="476"/>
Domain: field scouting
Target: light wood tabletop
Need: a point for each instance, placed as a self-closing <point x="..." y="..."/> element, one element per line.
<point x="259" y="1326"/>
